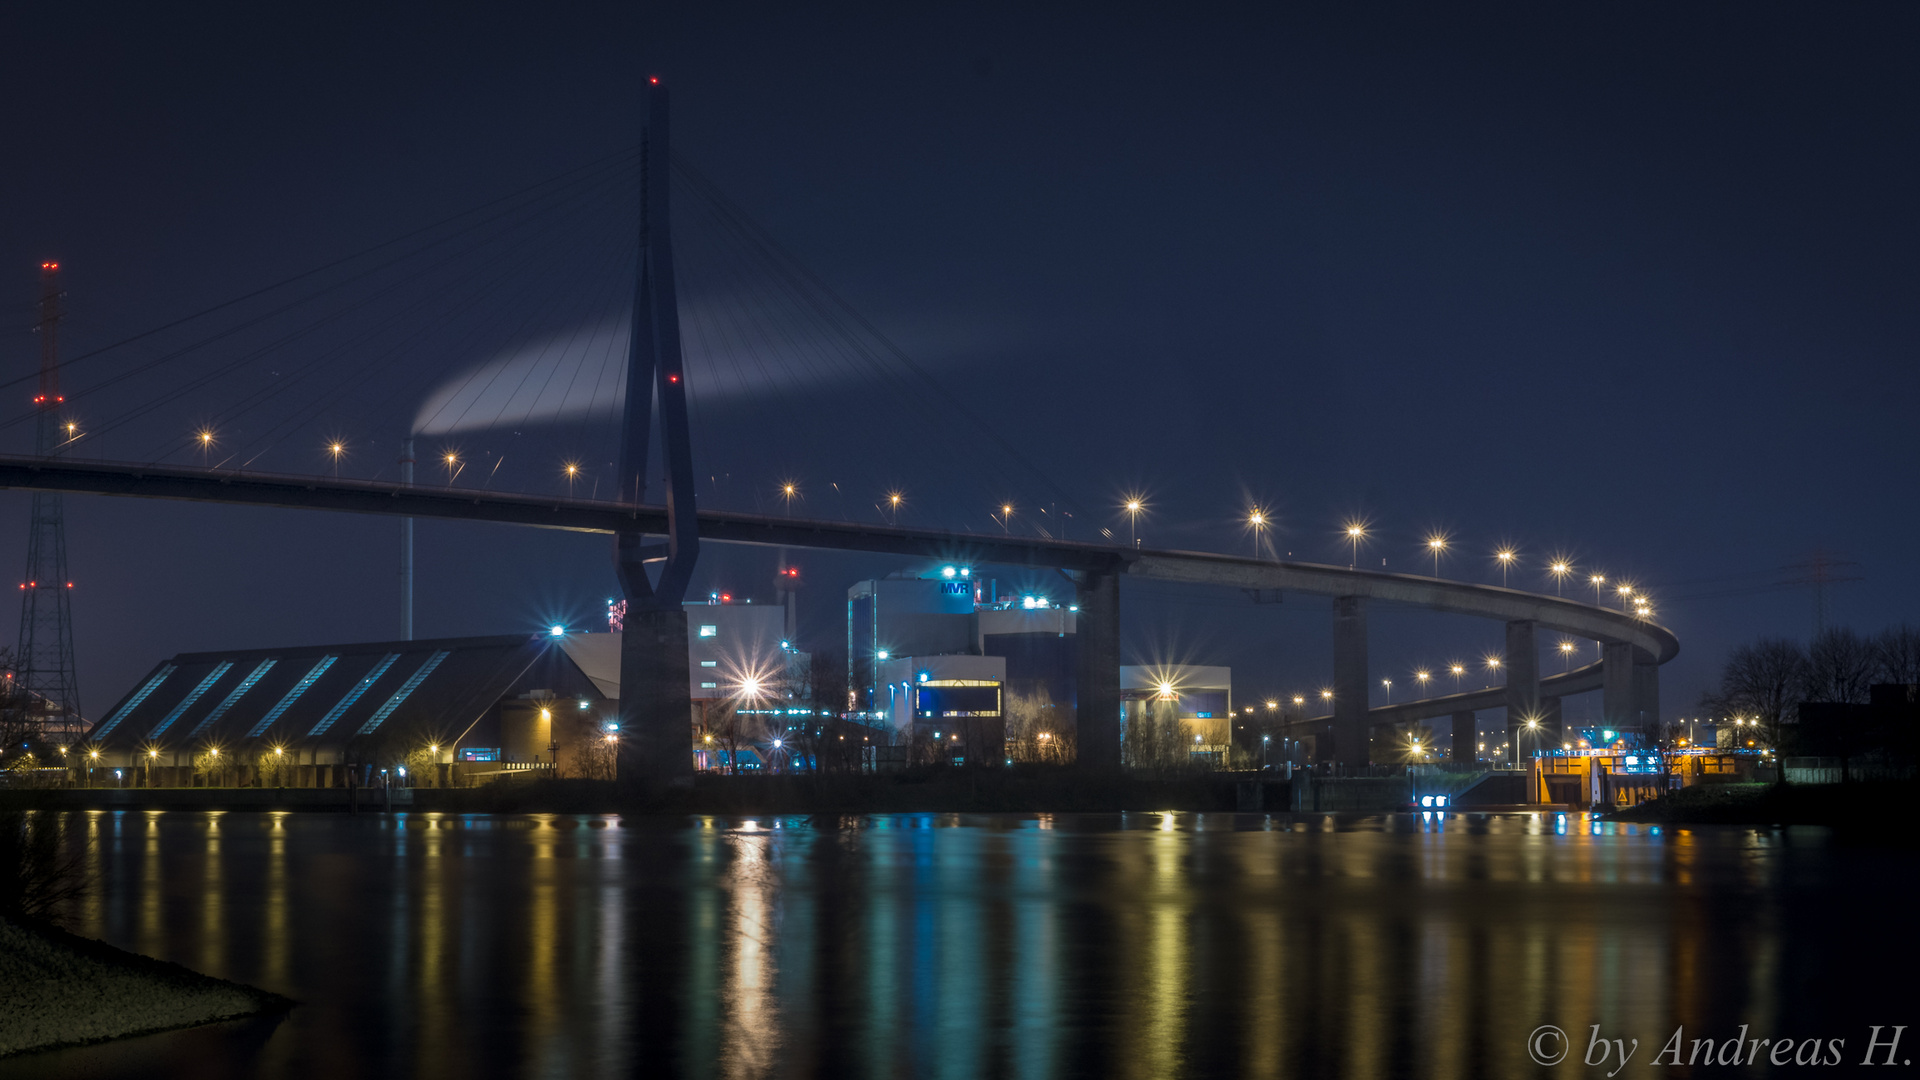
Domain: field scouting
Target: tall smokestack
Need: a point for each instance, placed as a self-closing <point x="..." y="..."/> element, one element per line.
<point x="406" y="547"/>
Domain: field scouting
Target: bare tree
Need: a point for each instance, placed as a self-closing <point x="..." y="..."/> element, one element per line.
<point x="1037" y="729"/>
<point x="1840" y="667"/>
<point x="1896" y="655"/>
<point x="1762" y="682"/>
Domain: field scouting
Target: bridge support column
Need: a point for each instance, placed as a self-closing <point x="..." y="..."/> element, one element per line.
<point x="1097" y="681"/>
<point x="1646" y="691"/>
<point x="1523" y="688"/>
<point x="1350" y="681"/>
<point x="1465" y="739"/>
<point x="1618" y="709"/>
<point x="656" y="709"/>
<point x="1553" y="728"/>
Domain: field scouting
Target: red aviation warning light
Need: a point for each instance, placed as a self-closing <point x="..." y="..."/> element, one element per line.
<point x="654" y="80"/>
<point x="49" y="266"/>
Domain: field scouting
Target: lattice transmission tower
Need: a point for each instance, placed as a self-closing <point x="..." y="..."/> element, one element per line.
<point x="43" y="664"/>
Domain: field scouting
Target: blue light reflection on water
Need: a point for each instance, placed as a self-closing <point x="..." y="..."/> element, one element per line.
<point x="1144" y="944"/>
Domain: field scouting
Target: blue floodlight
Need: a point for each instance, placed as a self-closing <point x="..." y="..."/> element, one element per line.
<point x="923" y="676"/>
<point x="557" y="630"/>
<point x="947" y="571"/>
<point x="786" y="645"/>
<point x="966" y="571"/>
<point x="880" y="655"/>
<point x="1606" y="736"/>
<point x="1440" y="800"/>
<point x="1426" y="801"/>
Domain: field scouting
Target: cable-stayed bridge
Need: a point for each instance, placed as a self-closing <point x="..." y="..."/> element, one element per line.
<point x="589" y="372"/>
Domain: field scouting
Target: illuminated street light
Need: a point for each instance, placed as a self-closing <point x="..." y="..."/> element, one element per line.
<point x="1457" y="670"/>
<point x="894" y="499"/>
<point x="1257" y="521"/>
<point x="1506" y="557"/>
<point x="1421" y="677"/>
<point x="1493" y="665"/>
<point x="336" y="448"/>
<point x="1560" y="569"/>
<point x="1006" y="518"/>
<point x="1134" y="505"/>
<point x="1356" y="532"/>
<point x="1436" y="544"/>
<point x="1388" y="683"/>
<point x="573" y="473"/>
<point x="1326" y="695"/>
<point x="789" y="491"/>
<point x="1299" y="699"/>
<point x="1566" y="656"/>
<point x="451" y="459"/>
<point x="205" y="438"/>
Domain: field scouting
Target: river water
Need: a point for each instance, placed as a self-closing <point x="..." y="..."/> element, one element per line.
<point x="1137" y="945"/>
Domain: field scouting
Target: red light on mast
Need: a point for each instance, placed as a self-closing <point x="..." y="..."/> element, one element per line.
<point x="655" y="80"/>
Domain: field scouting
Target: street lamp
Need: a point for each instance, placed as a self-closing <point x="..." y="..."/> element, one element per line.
<point x="789" y="491"/>
<point x="1006" y="518"/>
<point x="451" y="458"/>
<point x="1493" y="665"/>
<point x="1134" y="505"/>
<point x="1421" y="677"/>
<point x="336" y="448"/>
<point x="1457" y="670"/>
<point x="205" y="438"/>
<point x="1566" y="656"/>
<point x="1436" y="544"/>
<point x="1326" y="695"/>
<point x="573" y="473"/>
<point x="1559" y="570"/>
<point x="1506" y="556"/>
<point x="1388" y="683"/>
<point x="1356" y="532"/>
<point x="894" y="499"/>
<point x="1257" y="520"/>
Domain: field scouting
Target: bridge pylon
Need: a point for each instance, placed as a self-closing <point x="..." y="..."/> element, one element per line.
<point x="656" y="706"/>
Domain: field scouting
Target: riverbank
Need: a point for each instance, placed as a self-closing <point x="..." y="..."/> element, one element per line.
<point x="1874" y="804"/>
<point x="57" y="989"/>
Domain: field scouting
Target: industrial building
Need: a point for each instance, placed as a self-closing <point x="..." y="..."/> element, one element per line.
<point x="447" y="709"/>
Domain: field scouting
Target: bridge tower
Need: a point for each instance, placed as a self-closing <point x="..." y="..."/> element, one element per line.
<point x="44" y="661"/>
<point x="656" y="708"/>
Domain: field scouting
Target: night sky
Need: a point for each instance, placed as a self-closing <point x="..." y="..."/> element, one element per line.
<point x="1632" y="284"/>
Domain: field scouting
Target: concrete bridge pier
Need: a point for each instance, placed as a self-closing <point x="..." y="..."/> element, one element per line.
<point x="1523" y="686"/>
<point x="1619" y="709"/>
<point x="1553" y="728"/>
<point x="1350" y="683"/>
<point x="1646" y="691"/>
<point x="656" y="707"/>
<point x="1097" y="682"/>
<point x="1465" y="738"/>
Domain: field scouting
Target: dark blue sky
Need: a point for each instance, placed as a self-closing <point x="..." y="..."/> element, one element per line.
<point x="1635" y="284"/>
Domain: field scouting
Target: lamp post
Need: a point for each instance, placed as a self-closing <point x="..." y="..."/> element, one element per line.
<point x="1134" y="506"/>
<point x="1559" y="570"/>
<point x="1421" y="677"/>
<point x="205" y="438"/>
<point x="1388" y="683"/>
<point x="1493" y="665"/>
<point x="1257" y="520"/>
<point x="1356" y="532"/>
<point x="573" y="473"/>
<point x="336" y="448"/>
<point x="1457" y="670"/>
<point x="1506" y="556"/>
<point x="451" y="460"/>
<point x="1436" y="544"/>
<point x="1566" y="657"/>
<point x="1006" y="518"/>
<point x="788" y="492"/>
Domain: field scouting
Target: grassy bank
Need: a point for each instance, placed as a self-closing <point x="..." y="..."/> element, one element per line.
<point x="913" y="791"/>
<point x="1863" y="805"/>
<point x="57" y="989"/>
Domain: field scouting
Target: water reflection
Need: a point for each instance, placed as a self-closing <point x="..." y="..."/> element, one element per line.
<point x="923" y="945"/>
